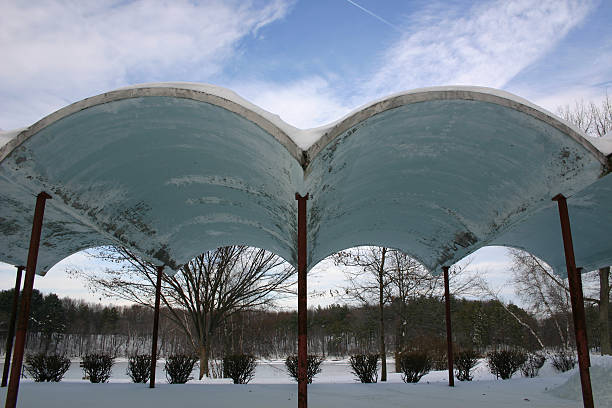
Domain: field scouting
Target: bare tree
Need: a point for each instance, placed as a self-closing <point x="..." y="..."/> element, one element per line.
<point x="370" y="280"/>
<point x="488" y="292"/>
<point x="542" y="292"/>
<point x="410" y="279"/>
<point x="593" y="119"/>
<point x="203" y="293"/>
<point x="547" y="295"/>
<point x="389" y="275"/>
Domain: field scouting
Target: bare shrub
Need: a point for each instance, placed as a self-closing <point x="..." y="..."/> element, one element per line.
<point x="98" y="367"/>
<point x="465" y="360"/>
<point x="504" y="363"/>
<point x="139" y="368"/>
<point x="414" y="365"/>
<point x="313" y="364"/>
<point x="532" y="365"/>
<point x="365" y="367"/>
<point x="239" y="367"/>
<point x="45" y="368"/>
<point x="563" y="360"/>
<point x="178" y="368"/>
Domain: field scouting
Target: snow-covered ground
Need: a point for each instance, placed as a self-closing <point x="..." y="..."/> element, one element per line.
<point x="334" y="387"/>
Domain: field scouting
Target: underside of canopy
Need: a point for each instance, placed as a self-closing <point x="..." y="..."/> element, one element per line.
<point x="172" y="170"/>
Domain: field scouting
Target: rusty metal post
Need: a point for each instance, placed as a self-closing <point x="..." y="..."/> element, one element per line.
<point x="580" y="298"/>
<point x="26" y="297"/>
<point x="11" y="329"/>
<point x="449" y="336"/>
<point x="575" y="284"/>
<point x="302" y="304"/>
<point x="160" y="271"/>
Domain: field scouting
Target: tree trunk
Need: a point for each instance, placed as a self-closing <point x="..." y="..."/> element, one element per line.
<point x="604" y="302"/>
<point x="381" y="307"/>
<point x="204" y="360"/>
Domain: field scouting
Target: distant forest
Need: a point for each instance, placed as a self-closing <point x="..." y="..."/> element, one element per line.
<point x="73" y="327"/>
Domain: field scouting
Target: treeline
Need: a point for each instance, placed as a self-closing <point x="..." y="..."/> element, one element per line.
<point x="341" y="330"/>
<point x="74" y="328"/>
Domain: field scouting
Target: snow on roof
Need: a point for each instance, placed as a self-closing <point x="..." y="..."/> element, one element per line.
<point x="306" y="138"/>
<point x="6" y="136"/>
<point x="173" y="169"/>
<point x="603" y="144"/>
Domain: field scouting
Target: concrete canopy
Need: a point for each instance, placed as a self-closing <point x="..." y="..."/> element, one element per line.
<point x="171" y="170"/>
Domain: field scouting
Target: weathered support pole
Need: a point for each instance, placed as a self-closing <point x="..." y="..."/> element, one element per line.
<point x="160" y="271"/>
<point x="604" y="306"/>
<point x="302" y="304"/>
<point x="581" y="300"/>
<point x="26" y="297"/>
<point x="381" y="316"/>
<point x="575" y="284"/>
<point x="449" y="335"/>
<point x="11" y="329"/>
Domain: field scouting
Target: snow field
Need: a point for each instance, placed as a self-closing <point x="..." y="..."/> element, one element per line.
<point x="335" y="386"/>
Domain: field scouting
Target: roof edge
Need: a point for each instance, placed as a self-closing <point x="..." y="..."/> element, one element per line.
<point x="468" y="93"/>
<point x="287" y="134"/>
<point x="218" y="96"/>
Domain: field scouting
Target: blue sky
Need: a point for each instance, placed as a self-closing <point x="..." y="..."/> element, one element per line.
<point x="309" y="61"/>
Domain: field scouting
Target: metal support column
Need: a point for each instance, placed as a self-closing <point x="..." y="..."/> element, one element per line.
<point x="11" y="329"/>
<point x="449" y="336"/>
<point x="160" y="271"/>
<point x="26" y="297"/>
<point x="580" y="298"/>
<point x="575" y="284"/>
<point x="302" y="304"/>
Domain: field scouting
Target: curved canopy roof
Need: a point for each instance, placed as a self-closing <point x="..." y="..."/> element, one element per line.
<point x="171" y="170"/>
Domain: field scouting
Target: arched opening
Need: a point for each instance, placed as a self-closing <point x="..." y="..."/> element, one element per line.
<point x="437" y="173"/>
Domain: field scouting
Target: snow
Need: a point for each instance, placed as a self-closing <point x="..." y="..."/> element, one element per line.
<point x="244" y="170"/>
<point x="229" y="95"/>
<point x="601" y="378"/>
<point x="334" y="386"/>
<point x="6" y="136"/>
<point x="603" y="144"/>
<point x="306" y="138"/>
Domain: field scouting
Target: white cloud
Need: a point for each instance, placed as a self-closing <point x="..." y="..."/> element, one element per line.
<point x="78" y="49"/>
<point x="304" y="103"/>
<point x="59" y="281"/>
<point x="486" y="46"/>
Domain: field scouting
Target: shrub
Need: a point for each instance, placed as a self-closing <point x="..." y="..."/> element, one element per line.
<point x="504" y="363"/>
<point x="47" y="368"/>
<point x="532" y="365"/>
<point x="139" y="368"/>
<point x="563" y="360"/>
<point x="414" y="365"/>
<point x="313" y="364"/>
<point x="435" y="347"/>
<point x="464" y="362"/>
<point x="239" y="367"/>
<point x="365" y="367"/>
<point x="437" y="351"/>
<point x="97" y="367"/>
<point x="179" y="367"/>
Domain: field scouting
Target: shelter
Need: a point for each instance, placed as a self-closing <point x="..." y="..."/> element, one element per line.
<point x="173" y="169"/>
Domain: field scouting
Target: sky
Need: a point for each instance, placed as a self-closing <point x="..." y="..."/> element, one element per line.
<point x="309" y="61"/>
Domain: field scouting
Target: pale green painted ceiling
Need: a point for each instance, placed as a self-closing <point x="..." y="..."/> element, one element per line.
<point x="172" y="170"/>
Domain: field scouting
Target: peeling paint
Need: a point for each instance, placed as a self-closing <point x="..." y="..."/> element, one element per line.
<point x="172" y="176"/>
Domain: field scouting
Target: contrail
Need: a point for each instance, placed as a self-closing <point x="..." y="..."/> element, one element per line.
<point x="376" y="16"/>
